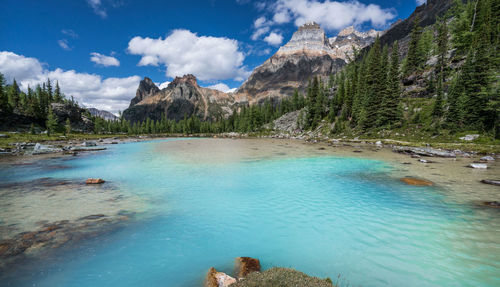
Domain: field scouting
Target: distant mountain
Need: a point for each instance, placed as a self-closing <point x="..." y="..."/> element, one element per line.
<point x="102" y="114"/>
<point x="182" y="97"/>
<point x="309" y="53"/>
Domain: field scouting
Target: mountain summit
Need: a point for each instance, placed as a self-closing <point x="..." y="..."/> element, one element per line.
<point x="309" y="53"/>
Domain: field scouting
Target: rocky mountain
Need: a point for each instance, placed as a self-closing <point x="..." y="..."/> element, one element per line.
<point x="349" y="39"/>
<point x="102" y="114"/>
<point x="308" y="53"/>
<point x="427" y="14"/>
<point x="182" y="97"/>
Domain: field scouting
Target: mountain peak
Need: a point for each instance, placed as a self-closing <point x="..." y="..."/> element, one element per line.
<point x="188" y="79"/>
<point x="309" y="37"/>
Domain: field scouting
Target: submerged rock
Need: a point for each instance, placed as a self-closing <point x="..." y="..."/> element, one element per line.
<point x="478" y="165"/>
<point x="246" y="265"/>
<point x="416" y="181"/>
<point x="487" y="158"/>
<point x="88" y="144"/>
<point x="494" y="204"/>
<point x="94" y="181"/>
<point x="218" y="279"/>
<point x="491" y="181"/>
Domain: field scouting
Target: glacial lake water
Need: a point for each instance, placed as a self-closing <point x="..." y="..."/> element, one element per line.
<point x="323" y="212"/>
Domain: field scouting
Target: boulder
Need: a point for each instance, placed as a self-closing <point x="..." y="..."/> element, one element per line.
<point x="246" y="265"/>
<point x="469" y="138"/>
<point x="89" y="143"/>
<point x="487" y="158"/>
<point x="416" y="181"/>
<point x="478" y="165"/>
<point x="218" y="279"/>
<point x="491" y="181"/>
<point x="42" y="149"/>
<point x="94" y="181"/>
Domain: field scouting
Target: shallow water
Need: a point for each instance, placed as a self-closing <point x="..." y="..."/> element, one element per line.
<point x="323" y="212"/>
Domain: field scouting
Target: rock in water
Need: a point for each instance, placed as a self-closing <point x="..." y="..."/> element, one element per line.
<point x="94" y="181"/>
<point x="416" y="181"/>
<point x="491" y="181"/>
<point x="478" y="165"/>
<point x="218" y="279"/>
<point x="487" y="158"/>
<point x="494" y="204"/>
<point x="246" y="265"/>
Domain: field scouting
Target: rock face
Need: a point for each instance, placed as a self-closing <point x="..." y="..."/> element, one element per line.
<point x="182" y="97"/>
<point x="102" y="114"/>
<point x="307" y="54"/>
<point x="348" y="38"/>
<point x="146" y="89"/>
<point x="76" y="115"/>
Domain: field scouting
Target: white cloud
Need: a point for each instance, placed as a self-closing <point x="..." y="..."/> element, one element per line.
<point x="97" y="7"/>
<point x="91" y="90"/>
<point x="104" y="60"/>
<point x="63" y="43"/>
<point x="274" y="39"/>
<point x="331" y="15"/>
<point x="183" y="52"/>
<point x="221" y="87"/>
<point x="259" y="22"/>
<point x="420" y="2"/>
<point x="163" y="85"/>
<point x="259" y="32"/>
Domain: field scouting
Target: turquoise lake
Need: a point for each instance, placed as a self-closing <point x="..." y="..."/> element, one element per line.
<point x="319" y="212"/>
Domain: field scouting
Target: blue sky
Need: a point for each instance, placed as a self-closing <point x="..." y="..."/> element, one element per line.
<point x="98" y="50"/>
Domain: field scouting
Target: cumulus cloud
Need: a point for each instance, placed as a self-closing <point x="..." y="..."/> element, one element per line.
<point x="91" y="90"/>
<point x="63" y="43"/>
<point x="97" y="7"/>
<point x="331" y="15"/>
<point x="274" y="39"/>
<point x="420" y="2"/>
<point x="104" y="60"/>
<point x="221" y="87"/>
<point x="183" y="52"/>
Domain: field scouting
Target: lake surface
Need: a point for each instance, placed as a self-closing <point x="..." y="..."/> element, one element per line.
<point x="323" y="212"/>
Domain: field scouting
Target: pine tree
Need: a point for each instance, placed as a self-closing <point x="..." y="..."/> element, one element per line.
<point x="4" y="99"/>
<point x="51" y="122"/>
<point x="442" y="47"/>
<point x="414" y="58"/>
<point x="375" y="86"/>
<point x="390" y="111"/>
<point x="57" y="93"/>
<point x="13" y="94"/>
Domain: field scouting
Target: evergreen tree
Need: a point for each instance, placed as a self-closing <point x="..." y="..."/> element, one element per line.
<point x="437" y="110"/>
<point x="390" y="112"/>
<point x="58" y="97"/>
<point x="13" y="94"/>
<point x="51" y="122"/>
<point x="414" y="57"/>
<point x="375" y="87"/>
<point x="4" y="99"/>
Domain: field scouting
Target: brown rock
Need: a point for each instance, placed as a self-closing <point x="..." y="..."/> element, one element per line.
<point x="218" y="279"/>
<point x="246" y="265"/>
<point x="417" y="182"/>
<point x="94" y="181"/>
<point x="494" y="204"/>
